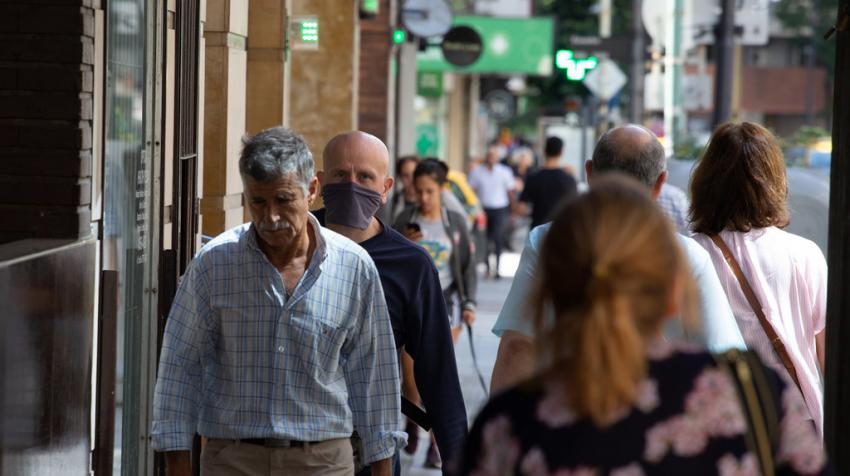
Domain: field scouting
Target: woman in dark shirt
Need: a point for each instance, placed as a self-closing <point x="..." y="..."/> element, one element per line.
<point x="613" y="397"/>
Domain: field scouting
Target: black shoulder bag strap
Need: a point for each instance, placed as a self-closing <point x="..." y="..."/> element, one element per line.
<point x="758" y="402"/>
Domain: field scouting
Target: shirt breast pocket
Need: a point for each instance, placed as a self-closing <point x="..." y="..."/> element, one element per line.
<point x="319" y="345"/>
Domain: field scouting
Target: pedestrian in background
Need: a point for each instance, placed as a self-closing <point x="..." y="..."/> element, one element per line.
<point x="547" y="187"/>
<point x="355" y="183"/>
<point x="676" y="205"/>
<point x="404" y="194"/>
<point x="267" y="351"/>
<point x="740" y="192"/>
<point x="613" y="396"/>
<point x="494" y="184"/>
<point x="404" y="197"/>
<point x="522" y="165"/>
<point x="444" y="234"/>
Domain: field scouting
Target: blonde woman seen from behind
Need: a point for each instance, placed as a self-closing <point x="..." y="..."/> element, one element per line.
<point x="613" y="396"/>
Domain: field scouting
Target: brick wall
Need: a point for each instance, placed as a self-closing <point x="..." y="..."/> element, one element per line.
<point x="375" y="49"/>
<point x="46" y="112"/>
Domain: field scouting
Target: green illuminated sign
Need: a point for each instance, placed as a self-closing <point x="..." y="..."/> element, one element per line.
<point x="577" y="68"/>
<point x="399" y="36"/>
<point x="370" y="6"/>
<point x="429" y="84"/>
<point x="427" y="140"/>
<point x="310" y="32"/>
<point x="509" y="46"/>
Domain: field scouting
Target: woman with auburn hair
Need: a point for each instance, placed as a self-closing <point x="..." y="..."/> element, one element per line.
<point x="612" y="396"/>
<point x="775" y="281"/>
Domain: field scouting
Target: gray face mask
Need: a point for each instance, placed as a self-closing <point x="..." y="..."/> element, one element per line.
<point x="350" y="204"/>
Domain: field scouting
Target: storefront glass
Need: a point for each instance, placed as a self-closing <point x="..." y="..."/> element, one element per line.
<point x="125" y="237"/>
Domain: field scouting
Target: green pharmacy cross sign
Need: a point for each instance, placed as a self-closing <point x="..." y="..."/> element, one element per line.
<point x="577" y="68"/>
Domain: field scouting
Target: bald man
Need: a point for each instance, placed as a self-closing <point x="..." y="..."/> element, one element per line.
<point x="355" y="183"/>
<point x="633" y="150"/>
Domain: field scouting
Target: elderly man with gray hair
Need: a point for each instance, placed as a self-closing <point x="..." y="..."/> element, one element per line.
<point x="635" y="151"/>
<point x="278" y="345"/>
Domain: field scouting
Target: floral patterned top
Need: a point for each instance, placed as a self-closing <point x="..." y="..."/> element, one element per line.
<point x="687" y="421"/>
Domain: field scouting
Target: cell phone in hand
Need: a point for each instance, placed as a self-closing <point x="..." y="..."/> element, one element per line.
<point x="415" y="227"/>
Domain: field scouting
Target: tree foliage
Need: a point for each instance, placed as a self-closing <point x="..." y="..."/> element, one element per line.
<point x="807" y="18"/>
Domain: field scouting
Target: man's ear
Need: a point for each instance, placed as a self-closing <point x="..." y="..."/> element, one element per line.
<point x="588" y="170"/>
<point x="312" y="190"/>
<point x="321" y="176"/>
<point x="659" y="182"/>
<point x="388" y="185"/>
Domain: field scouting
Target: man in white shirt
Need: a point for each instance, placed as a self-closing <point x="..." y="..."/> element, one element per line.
<point x="633" y="150"/>
<point x="494" y="184"/>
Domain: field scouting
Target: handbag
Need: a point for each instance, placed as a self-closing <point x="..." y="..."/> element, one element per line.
<point x="758" y="400"/>
<point x="776" y="342"/>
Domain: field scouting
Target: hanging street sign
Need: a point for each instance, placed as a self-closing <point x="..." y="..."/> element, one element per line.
<point x="606" y="80"/>
<point x="426" y="18"/>
<point x="461" y="46"/>
<point x="508" y="46"/>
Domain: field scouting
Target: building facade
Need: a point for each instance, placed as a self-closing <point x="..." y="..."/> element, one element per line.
<point x="120" y="127"/>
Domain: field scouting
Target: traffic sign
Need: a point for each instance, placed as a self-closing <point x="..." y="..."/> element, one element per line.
<point x="606" y="80"/>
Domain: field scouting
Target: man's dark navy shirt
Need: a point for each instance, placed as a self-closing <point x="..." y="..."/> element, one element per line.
<point x="420" y="324"/>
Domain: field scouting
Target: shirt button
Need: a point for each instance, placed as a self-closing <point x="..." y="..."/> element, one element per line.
<point x="280" y="349"/>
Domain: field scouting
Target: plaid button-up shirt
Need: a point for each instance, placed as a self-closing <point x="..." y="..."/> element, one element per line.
<point x="241" y="360"/>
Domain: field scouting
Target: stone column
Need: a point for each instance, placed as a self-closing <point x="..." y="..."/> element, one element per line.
<point x="406" y="115"/>
<point x="226" y="33"/>
<point x="268" y="68"/>
<point x="324" y="87"/>
<point x="458" y="120"/>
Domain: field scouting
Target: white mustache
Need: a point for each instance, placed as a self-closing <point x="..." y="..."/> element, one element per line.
<point x="281" y="225"/>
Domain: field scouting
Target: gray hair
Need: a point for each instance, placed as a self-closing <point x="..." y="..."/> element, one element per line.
<point x="643" y="160"/>
<point x="274" y="153"/>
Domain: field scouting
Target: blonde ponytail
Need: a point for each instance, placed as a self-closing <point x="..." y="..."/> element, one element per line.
<point x="607" y="271"/>
<point x="608" y="363"/>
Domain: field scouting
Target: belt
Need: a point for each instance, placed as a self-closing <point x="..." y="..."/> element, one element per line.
<point x="277" y="443"/>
